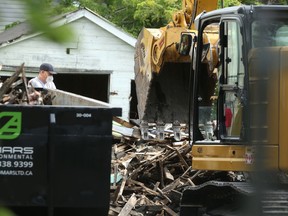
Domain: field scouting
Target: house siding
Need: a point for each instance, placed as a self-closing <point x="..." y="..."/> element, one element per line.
<point x="11" y="11"/>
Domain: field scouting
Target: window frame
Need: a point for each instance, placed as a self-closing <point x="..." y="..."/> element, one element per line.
<point x="226" y="87"/>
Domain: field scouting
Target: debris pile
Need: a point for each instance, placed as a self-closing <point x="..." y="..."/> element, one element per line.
<point x="148" y="177"/>
<point x="15" y="90"/>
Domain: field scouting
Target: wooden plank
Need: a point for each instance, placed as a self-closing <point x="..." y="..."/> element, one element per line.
<point x="126" y="188"/>
<point x="128" y="206"/>
<point x="186" y="171"/>
<point x="154" y="157"/>
<point x="170" y="211"/>
<point x="172" y="186"/>
<point x="196" y="174"/>
<point x="25" y="85"/>
<point x="121" y="186"/>
<point x="182" y="159"/>
<point x="161" y="192"/>
<point x="190" y="182"/>
<point x="156" y="186"/>
<point x="7" y="84"/>
<point x="148" y="190"/>
<point x="168" y="174"/>
<point x="122" y="122"/>
<point x="123" y="130"/>
<point x="161" y="170"/>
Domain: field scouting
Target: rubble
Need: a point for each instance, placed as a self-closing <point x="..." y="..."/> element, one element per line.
<point x="148" y="177"/>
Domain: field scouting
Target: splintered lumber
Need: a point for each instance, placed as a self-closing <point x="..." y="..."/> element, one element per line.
<point x="161" y="173"/>
<point x="182" y="159"/>
<point x="119" y="193"/>
<point x="156" y="174"/>
<point x="156" y="186"/>
<point x="122" y="122"/>
<point x="170" y="211"/>
<point x="167" y="174"/>
<point x="172" y="186"/>
<point x="161" y="192"/>
<point x="114" y="211"/>
<point x="148" y="190"/>
<point x="25" y="83"/>
<point x="128" y="206"/>
<point x="8" y="83"/>
<point x="125" y="128"/>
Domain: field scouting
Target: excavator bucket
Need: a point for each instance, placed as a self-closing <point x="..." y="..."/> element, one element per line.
<point x="163" y="92"/>
<point x="164" y="78"/>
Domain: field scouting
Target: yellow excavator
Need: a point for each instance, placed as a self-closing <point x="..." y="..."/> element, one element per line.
<point x="241" y="127"/>
<point x="162" y="69"/>
<point x="235" y="79"/>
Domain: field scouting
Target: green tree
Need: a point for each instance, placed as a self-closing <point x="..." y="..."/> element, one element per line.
<point x="229" y="3"/>
<point x="131" y="15"/>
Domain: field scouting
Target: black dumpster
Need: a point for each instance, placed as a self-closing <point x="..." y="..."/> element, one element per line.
<point x="55" y="160"/>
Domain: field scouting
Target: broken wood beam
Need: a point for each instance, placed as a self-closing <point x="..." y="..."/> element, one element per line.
<point x="182" y="159"/>
<point x="121" y="188"/>
<point x="168" y="174"/>
<point x="7" y="84"/>
<point x="170" y="211"/>
<point x="148" y="190"/>
<point x="122" y="122"/>
<point x="166" y="197"/>
<point x="128" y="206"/>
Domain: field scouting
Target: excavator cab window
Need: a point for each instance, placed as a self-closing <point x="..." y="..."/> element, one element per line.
<point x="185" y="44"/>
<point x="207" y="92"/>
<point x="231" y="81"/>
<point x="269" y="33"/>
<point x="220" y="83"/>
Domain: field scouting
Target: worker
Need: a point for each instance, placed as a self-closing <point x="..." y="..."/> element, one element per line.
<point x="44" y="78"/>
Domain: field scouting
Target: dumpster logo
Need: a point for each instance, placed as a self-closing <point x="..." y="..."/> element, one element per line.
<point x="10" y="125"/>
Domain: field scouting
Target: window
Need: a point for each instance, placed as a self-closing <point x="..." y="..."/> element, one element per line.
<point x="207" y="84"/>
<point x="266" y="33"/>
<point x="232" y="81"/>
<point x="220" y="87"/>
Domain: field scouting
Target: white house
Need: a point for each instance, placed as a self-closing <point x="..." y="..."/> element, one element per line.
<point x="98" y="62"/>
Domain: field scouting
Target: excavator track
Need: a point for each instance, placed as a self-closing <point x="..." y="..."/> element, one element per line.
<point x="216" y="198"/>
<point x="275" y="202"/>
